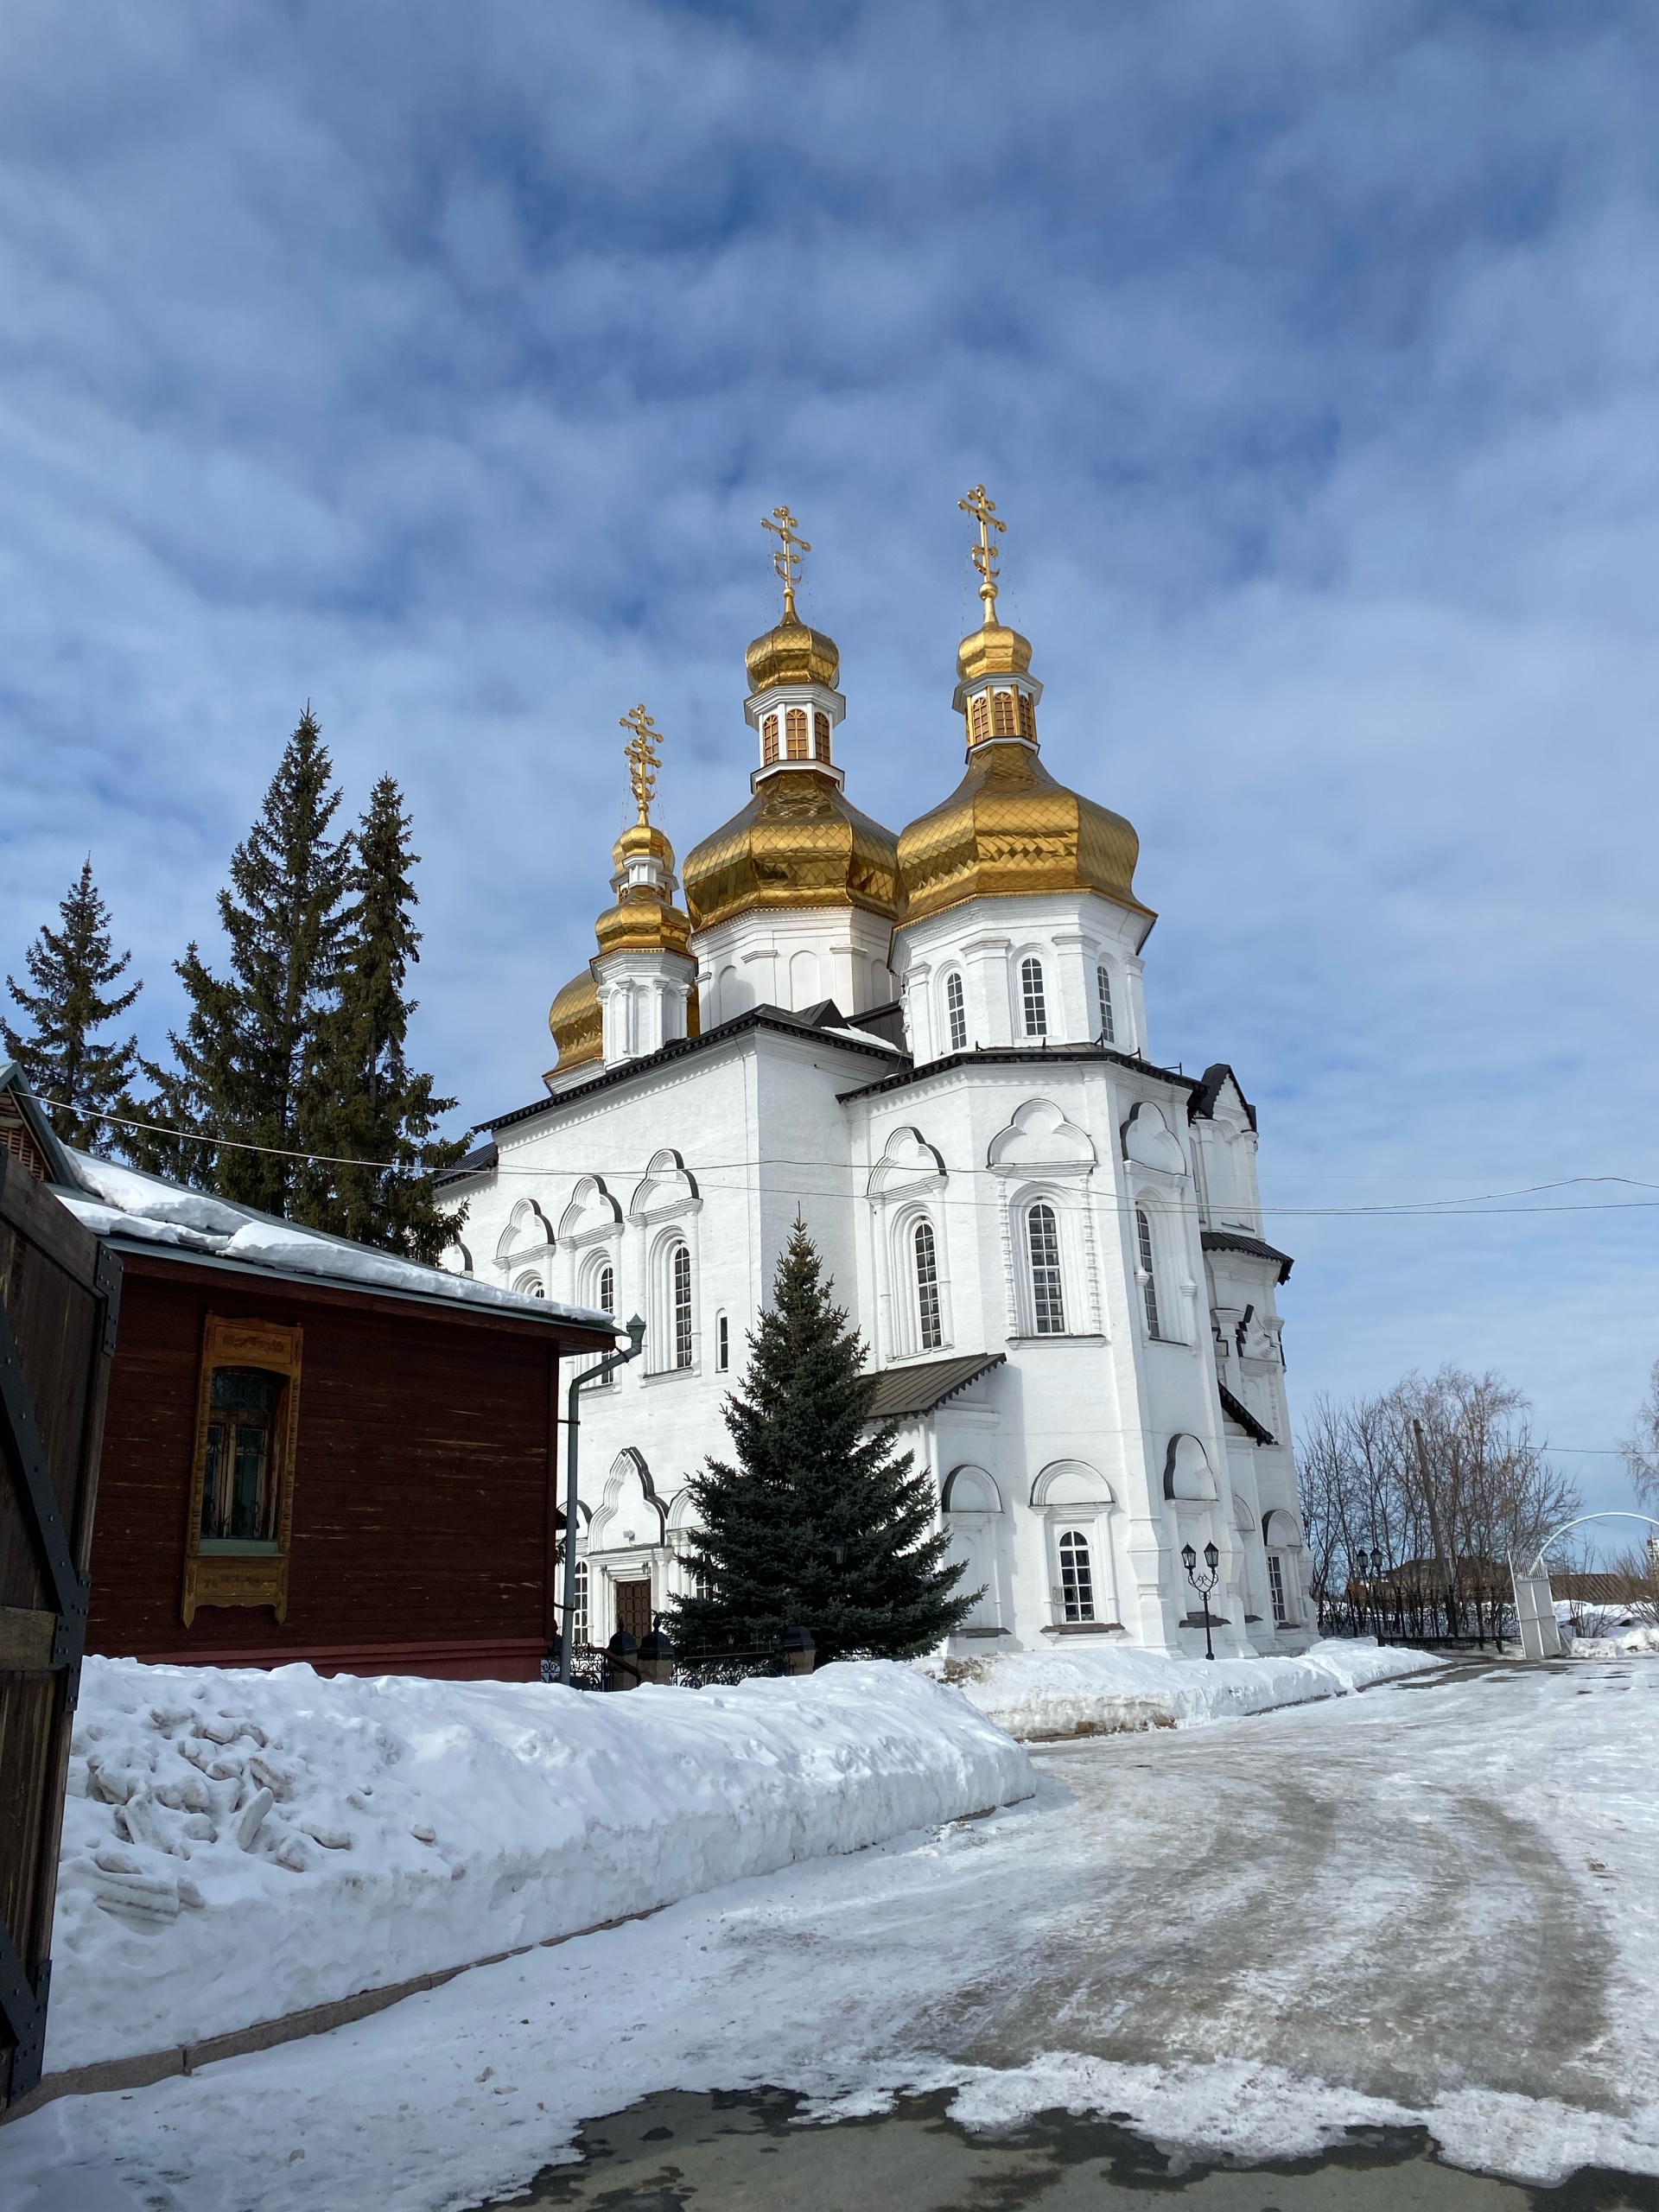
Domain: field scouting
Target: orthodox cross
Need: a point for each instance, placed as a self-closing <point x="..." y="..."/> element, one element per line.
<point x="787" y="559"/>
<point x="983" y="510"/>
<point x="643" y="757"/>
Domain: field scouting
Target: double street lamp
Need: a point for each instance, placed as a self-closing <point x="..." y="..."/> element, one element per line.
<point x="1203" y="1584"/>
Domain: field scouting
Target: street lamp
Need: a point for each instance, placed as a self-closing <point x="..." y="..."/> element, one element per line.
<point x="1203" y="1584"/>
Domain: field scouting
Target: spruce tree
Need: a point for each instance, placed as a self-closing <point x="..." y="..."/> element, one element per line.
<point x="371" y="1106"/>
<point x="71" y="969"/>
<point x="248" y="1059"/>
<point x="819" y="1522"/>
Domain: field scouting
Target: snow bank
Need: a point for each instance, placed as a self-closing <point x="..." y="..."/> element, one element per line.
<point x="240" y="1844"/>
<point x="1039" y="1694"/>
<point x="1617" y="1644"/>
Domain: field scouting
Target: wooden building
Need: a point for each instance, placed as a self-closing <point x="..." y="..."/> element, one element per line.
<point x="313" y="1451"/>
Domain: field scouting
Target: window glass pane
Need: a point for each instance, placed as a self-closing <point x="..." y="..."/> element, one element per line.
<point x="238" y="1492"/>
<point x="795" y="734"/>
<point x="1031" y="991"/>
<point x="957" y="1014"/>
<point x="1148" y="1289"/>
<point x="1276" y="1584"/>
<point x="605" y="1293"/>
<point x="723" y="1344"/>
<point x="1077" y="1577"/>
<point x="682" y="1292"/>
<point x="579" y="1618"/>
<point x="930" y="1335"/>
<point x="1103" y="991"/>
<point x="1043" y="1243"/>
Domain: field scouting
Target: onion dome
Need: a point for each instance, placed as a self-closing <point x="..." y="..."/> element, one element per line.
<point x="1009" y="828"/>
<point x="644" y="918"/>
<point x="792" y="652"/>
<point x="992" y="650"/>
<point x="797" y="843"/>
<point x="577" y="1024"/>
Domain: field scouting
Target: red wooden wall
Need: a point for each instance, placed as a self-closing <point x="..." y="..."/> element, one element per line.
<point x="424" y="1480"/>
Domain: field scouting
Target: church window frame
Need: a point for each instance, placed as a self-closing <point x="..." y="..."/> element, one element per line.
<point x="769" y="740"/>
<point x="980" y="712"/>
<point x="956" y="1011"/>
<point x="1033" y="1000"/>
<point x="925" y="1277"/>
<point x="680" y="1302"/>
<point x="795" y="735"/>
<point x="597" y="1290"/>
<point x="1045" y="1267"/>
<point x="1074" y="1556"/>
<point x="1103" y="1006"/>
<point x="1028" y="714"/>
<point x="529" y="1286"/>
<point x="722" y="1342"/>
<point x="820" y="734"/>
<point x="1155" y="1319"/>
<point x="579" y="1610"/>
<point x="1004" y="720"/>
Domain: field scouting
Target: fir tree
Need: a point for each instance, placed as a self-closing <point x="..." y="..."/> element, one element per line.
<point x="371" y="1106"/>
<point x="248" y="1060"/>
<point x="71" y="969"/>
<point x="819" y="1522"/>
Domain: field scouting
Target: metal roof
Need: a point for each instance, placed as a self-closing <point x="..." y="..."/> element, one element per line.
<point x="918" y="1389"/>
<point x="1235" y="1240"/>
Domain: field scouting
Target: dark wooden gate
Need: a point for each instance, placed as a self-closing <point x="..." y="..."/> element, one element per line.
<point x="60" y="1295"/>
<point x="633" y="1608"/>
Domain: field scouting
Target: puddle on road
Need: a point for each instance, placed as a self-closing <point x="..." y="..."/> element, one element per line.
<point x="745" y="2152"/>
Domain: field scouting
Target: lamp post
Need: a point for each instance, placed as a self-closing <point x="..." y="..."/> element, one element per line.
<point x="1362" y="1568"/>
<point x="573" y="1424"/>
<point x="1203" y="1584"/>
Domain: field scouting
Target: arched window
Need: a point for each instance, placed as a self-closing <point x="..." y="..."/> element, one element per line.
<point x="982" y="719"/>
<point x="722" y="1341"/>
<point x="1276" y="1590"/>
<point x="531" y="1287"/>
<point x="795" y="734"/>
<point x="1027" y="717"/>
<point x="579" y="1612"/>
<point x="680" y="1287"/>
<point x="769" y="739"/>
<point x="1104" y="1000"/>
<point x="1034" y="998"/>
<point x="1077" y="1577"/>
<point x="605" y="1288"/>
<point x="821" y="736"/>
<point x="1148" y="1283"/>
<point x="930" y="1335"/>
<point x="1043" y="1246"/>
<point x="1002" y="713"/>
<point x="955" y="1013"/>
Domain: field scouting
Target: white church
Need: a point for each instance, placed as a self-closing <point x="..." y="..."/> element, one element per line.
<point x="935" y="1047"/>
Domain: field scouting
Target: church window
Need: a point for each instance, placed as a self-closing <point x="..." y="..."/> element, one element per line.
<point x="1276" y="1588"/>
<point x="795" y="734"/>
<point x="1077" y="1577"/>
<point x="955" y="1013"/>
<point x="1148" y="1283"/>
<point x="769" y="739"/>
<point x="1002" y="713"/>
<point x="1027" y="717"/>
<point x="1034" y="998"/>
<point x="930" y="1333"/>
<point x="1104" y="997"/>
<point x="605" y="1289"/>
<point x="680" y="1281"/>
<point x="981" y="716"/>
<point x="821" y="736"/>
<point x="531" y="1287"/>
<point x="1043" y="1247"/>
<point x="579" y="1609"/>
<point x="722" y="1341"/>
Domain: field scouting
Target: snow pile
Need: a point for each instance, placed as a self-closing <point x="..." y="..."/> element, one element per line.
<point x="114" y="1201"/>
<point x="1616" y="1644"/>
<point x="240" y="1844"/>
<point x="1036" y="1696"/>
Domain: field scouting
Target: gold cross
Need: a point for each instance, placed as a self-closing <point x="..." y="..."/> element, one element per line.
<point x="787" y="559"/>
<point x="984" y="509"/>
<point x="643" y="757"/>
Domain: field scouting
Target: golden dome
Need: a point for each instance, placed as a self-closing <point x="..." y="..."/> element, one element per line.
<point x="1009" y="827"/>
<point x="644" y="918"/>
<point x="577" y="1024"/>
<point x="797" y="843"/>
<point x="992" y="650"/>
<point x="792" y="653"/>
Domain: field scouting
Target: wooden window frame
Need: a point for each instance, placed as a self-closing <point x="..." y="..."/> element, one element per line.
<point x="220" y="1578"/>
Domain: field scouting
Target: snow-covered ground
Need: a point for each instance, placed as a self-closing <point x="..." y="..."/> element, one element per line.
<point x="1438" y="1904"/>
<point x="240" y="1844"/>
<point x="1038" y="1695"/>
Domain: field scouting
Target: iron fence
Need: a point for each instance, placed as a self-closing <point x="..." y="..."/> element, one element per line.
<point x="1474" y="1614"/>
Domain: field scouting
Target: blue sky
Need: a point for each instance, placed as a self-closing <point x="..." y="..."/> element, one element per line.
<point x="438" y="363"/>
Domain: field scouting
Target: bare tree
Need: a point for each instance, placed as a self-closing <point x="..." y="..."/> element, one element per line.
<point x="1641" y="1450"/>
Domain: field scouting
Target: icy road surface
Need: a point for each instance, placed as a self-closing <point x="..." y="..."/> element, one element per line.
<point x="1435" y="1904"/>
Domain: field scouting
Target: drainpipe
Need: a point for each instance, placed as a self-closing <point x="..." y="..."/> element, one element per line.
<point x="578" y="1383"/>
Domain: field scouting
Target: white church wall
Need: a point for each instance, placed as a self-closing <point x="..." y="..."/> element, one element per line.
<point x="985" y="944"/>
<point x="794" y="959"/>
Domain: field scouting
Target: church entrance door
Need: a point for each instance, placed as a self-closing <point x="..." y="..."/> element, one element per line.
<point x="633" y="1608"/>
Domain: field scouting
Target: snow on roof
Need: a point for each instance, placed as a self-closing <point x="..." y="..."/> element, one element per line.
<point x="115" y="1201"/>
